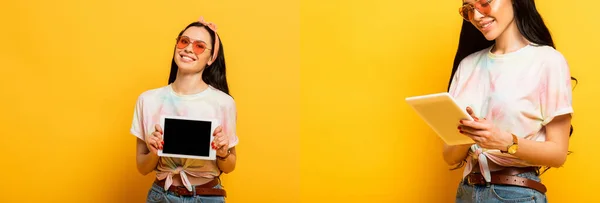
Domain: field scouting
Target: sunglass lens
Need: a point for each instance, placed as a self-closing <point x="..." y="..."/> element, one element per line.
<point x="199" y="47"/>
<point x="182" y="42"/>
<point x="466" y="12"/>
<point x="483" y="7"/>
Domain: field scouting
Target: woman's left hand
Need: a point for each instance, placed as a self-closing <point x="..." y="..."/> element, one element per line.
<point x="220" y="142"/>
<point x="485" y="133"/>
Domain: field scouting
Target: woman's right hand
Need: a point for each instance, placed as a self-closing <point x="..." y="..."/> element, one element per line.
<point x="154" y="142"/>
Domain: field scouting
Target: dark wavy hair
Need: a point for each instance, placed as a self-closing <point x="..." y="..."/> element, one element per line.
<point x="530" y="25"/>
<point x="213" y="75"/>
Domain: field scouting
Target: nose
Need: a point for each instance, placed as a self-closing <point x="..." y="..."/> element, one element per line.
<point x="477" y="15"/>
<point x="189" y="48"/>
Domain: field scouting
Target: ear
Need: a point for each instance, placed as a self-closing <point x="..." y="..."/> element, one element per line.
<point x="210" y="61"/>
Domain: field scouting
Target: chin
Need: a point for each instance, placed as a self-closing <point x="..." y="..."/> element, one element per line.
<point x="490" y="35"/>
<point x="189" y="67"/>
<point x="490" y="38"/>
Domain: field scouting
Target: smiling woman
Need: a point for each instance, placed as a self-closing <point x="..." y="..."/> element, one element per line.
<point x="197" y="88"/>
<point x="118" y="57"/>
<point x="517" y="87"/>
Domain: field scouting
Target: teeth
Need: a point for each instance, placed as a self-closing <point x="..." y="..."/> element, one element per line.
<point x="487" y="24"/>
<point x="188" y="58"/>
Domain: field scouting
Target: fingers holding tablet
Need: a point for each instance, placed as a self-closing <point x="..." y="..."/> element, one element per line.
<point x="152" y="144"/>
<point x="158" y="129"/>
<point x="155" y="141"/>
<point x="218" y="130"/>
<point x="220" y="142"/>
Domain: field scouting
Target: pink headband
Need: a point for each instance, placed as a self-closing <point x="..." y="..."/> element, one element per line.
<point x="213" y="27"/>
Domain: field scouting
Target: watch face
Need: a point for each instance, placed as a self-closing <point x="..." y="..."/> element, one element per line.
<point x="512" y="149"/>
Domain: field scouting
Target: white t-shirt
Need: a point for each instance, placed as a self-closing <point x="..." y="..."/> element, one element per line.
<point x="210" y="103"/>
<point x="520" y="92"/>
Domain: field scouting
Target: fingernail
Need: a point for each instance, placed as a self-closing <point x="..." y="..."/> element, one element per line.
<point x="460" y="131"/>
<point x="162" y="142"/>
<point x="461" y="122"/>
<point x="459" y="127"/>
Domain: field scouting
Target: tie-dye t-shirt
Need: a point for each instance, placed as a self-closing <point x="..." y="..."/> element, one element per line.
<point x="210" y="103"/>
<point x="520" y="92"/>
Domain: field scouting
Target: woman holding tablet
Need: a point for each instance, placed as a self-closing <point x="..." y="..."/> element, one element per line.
<point x="517" y="87"/>
<point x="197" y="87"/>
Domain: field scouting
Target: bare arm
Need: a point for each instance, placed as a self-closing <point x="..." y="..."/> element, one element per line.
<point x="454" y="154"/>
<point x="221" y="144"/>
<point x="146" y="160"/>
<point x="147" y="152"/>
<point x="552" y="152"/>
<point x="228" y="165"/>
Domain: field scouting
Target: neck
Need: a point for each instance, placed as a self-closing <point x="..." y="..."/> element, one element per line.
<point x="510" y="40"/>
<point x="191" y="83"/>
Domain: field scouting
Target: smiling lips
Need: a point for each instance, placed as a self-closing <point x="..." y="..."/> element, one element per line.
<point x="186" y="58"/>
<point x="485" y="25"/>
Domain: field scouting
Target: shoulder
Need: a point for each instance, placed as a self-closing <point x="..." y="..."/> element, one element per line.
<point x="223" y="98"/>
<point x="468" y="64"/>
<point x="548" y="53"/>
<point x="550" y="58"/>
<point x="152" y="94"/>
<point x="473" y="58"/>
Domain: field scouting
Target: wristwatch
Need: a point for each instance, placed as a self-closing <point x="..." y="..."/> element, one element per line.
<point x="225" y="157"/>
<point x="512" y="148"/>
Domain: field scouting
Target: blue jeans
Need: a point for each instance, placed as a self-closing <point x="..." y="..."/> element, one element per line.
<point x="158" y="194"/>
<point x="499" y="193"/>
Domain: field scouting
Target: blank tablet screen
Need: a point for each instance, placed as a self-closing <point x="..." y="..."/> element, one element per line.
<point x="187" y="137"/>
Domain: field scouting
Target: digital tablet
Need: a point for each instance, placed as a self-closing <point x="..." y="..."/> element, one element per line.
<point x="441" y="112"/>
<point x="188" y="137"/>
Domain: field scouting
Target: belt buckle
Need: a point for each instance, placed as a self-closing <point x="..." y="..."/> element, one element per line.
<point x="176" y="192"/>
<point x="179" y="191"/>
<point x="469" y="180"/>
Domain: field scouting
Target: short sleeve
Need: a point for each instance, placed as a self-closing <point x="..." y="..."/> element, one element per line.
<point x="555" y="89"/>
<point x="452" y="89"/>
<point x="137" y="126"/>
<point x="229" y="123"/>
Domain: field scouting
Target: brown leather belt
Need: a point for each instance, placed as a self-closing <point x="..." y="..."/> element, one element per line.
<point x="206" y="189"/>
<point x="508" y="176"/>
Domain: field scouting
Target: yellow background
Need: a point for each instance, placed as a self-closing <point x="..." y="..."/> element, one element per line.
<point x="71" y="72"/>
<point x="361" y="142"/>
<point x="320" y="88"/>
